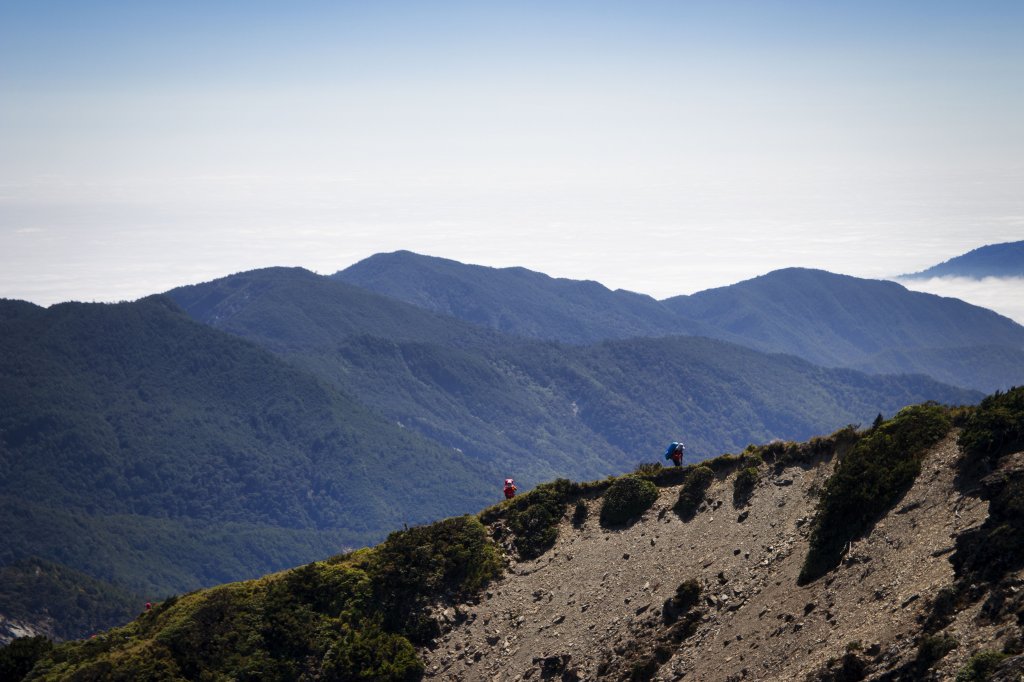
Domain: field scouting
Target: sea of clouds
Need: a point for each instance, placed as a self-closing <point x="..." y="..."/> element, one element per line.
<point x="1005" y="295"/>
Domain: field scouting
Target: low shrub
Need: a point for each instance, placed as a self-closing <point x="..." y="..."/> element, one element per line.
<point x="869" y="480"/>
<point x="743" y="485"/>
<point x="697" y="482"/>
<point x="994" y="428"/>
<point x="848" y="668"/>
<point x="627" y="498"/>
<point x="417" y="567"/>
<point x="687" y="595"/>
<point x="933" y="648"/>
<point x="980" y="666"/>
<point x="942" y="608"/>
<point x="648" y="469"/>
<point x="786" y="453"/>
<point x="579" y="514"/>
<point x="533" y="517"/>
<point x="723" y="464"/>
<point x="18" y="657"/>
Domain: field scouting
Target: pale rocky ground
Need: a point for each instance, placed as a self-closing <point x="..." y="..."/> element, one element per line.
<point x="11" y="629"/>
<point x="598" y="593"/>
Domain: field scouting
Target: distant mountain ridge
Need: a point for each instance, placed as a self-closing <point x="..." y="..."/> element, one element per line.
<point x="838" y="320"/>
<point x="544" y="409"/>
<point x="828" y="319"/>
<point x="518" y="301"/>
<point x="992" y="260"/>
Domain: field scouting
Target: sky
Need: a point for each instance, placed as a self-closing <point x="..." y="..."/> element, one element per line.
<point x="660" y="147"/>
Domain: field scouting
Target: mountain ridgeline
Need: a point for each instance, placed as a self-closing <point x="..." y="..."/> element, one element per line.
<point x="518" y="301"/>
<point x="827" y="319"/>
<point x="541" y="409"/>
<point x="671" y="574"/>
<point x="992" y="260"/>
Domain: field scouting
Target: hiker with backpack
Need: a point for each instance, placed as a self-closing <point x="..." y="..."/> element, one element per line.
<point x="510" y="488"/>
<point x="674" y="452"/>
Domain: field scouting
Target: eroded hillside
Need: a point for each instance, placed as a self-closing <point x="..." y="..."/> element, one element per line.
<point x="598" y="596"/>
<point x="602" y="602"/>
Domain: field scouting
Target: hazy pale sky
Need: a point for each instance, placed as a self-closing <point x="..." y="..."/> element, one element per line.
<point x="662" y="147"/>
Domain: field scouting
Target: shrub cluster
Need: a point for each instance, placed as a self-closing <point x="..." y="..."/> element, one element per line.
<point x="697" y="482"/>
<point x="352" y="617"/>
<point x="743" y="485"/>
<point x="686" y="597"/>
<point x="994" y="429"/>
<point x="980" y="666"/>
<point x="932" y="649"/>
<point x="533" y="517"/>
<point x="787" y="453"/>
<point x="848" y="668"/>
<point x="627" y="498"/>
<point x="648" y="469"/>
<point x="869" y="481"/>
<point x="414" y="568"/>
<point x="579" y="514"/>
<point x="18" y="657"/>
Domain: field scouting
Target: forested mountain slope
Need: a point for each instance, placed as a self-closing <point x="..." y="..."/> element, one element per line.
<point x="828" y="319"/>
<point x="836" y="319"/>
<point x="152" y="451"/>
<point x="542" y="409"/>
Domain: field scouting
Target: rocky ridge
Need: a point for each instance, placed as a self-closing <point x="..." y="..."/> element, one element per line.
<point x="599" y="603"/>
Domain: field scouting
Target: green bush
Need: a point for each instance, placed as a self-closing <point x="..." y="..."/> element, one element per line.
<point x="994" y="428"/>
<point x="533" y="517"/>
<point x="354" y="617"/>
<point x="648" y="469"/>
<point x="687" y="595"/>
<point x="743" y="485"/>
<point x="417" y="567"/>
<point x="627" y="498"/>
<point x="579" y="514"/>
<point x="980" y="666"/>
<point x="752" y="459"/>
<point x="697" y="482"/>
<point x="933" y="649"/>
<point x="848" y="668"/>
<point x="868" y="481"/>
<point x="786" y="453"/>
<point x="680" y="611"/>
<point x="18" y="657"/>
<point x="942" y="608"/>
<point x="368" y="653"/>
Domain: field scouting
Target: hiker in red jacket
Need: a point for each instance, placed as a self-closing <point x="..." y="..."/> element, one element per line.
<point x="510" y="488"/>
<point x="675" y="452"/>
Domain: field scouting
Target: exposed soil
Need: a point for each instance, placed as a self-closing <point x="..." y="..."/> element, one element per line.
<point x="593" y="605"/>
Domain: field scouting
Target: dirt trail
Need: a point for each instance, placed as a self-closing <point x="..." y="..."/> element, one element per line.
<point x="598" y="595"/>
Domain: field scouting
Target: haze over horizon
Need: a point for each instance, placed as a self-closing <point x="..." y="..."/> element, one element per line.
<point x="658" y="147"/>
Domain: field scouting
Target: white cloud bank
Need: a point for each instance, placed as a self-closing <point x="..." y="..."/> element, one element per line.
<point x="1005" y="295"/>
